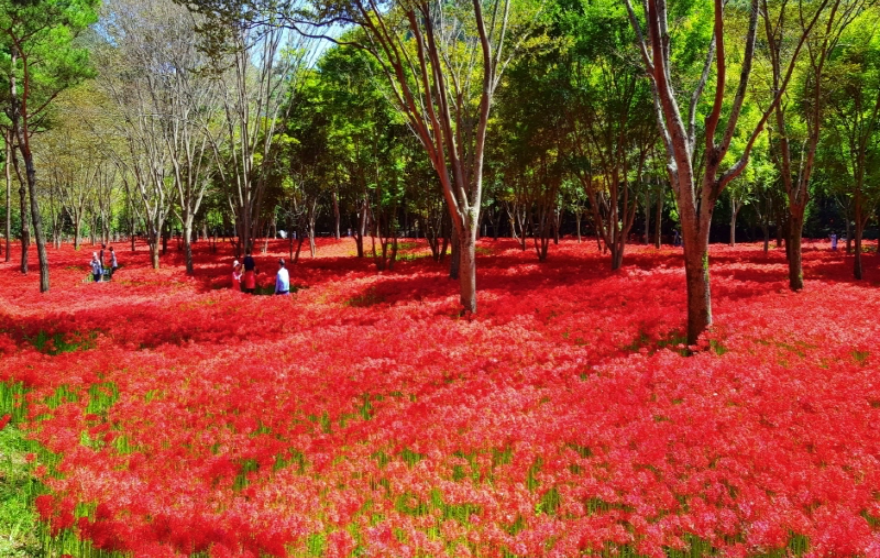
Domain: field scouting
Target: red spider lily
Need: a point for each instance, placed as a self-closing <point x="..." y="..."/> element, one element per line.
<point x="364" y="414"/>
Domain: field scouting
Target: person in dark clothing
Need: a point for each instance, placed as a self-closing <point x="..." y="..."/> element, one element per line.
<point x="249" y="264"/>
<point x="113" y="263"/>
<point x="101" y="254"/>
<point x="249" y="278"/>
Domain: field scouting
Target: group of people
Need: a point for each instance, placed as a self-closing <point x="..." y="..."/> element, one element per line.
<point x="97" y="264"/>
<point x="244" y="276"/>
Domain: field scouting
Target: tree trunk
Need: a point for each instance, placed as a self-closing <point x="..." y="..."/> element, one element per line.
<point x="617" y="249"/>
<point x="733" y="212"/>
<point x="647" y="219"/>
<point x="165" y="233"/>
<point x="361" y="230"/>
<point x="849" y="236"/>
<point x="557" y="224"/>
<point x="860" y="221"/>
<point x="336" y="217"/>
<point x="77" y="231"/>
<point x="455" y="259"/>
<point x="154" y="254"/>
<point x="8" y="196"/>
<point x="657" y="222"/>
<point x="795" y="252"/>
<point x="25" y="227"/>
<point x="857" y="260"/>
<point x="467" y="272"/>
<point x="187" y="246"/>
<point x="36" y="218"/>
<point x="765" y="227"/>
<point x="133" y="232"/>
<point x="696" y="265"/>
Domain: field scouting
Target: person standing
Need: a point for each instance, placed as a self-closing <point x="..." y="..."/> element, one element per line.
<point x="834" y="242"/>
<point x="282" y="279"/>
<point x="236" y="276"/>
<point x="113" y="263"/>
<point x="101" y="254"/>
<point x="249" y="263"/>
<point x="97" y="268"/>
<point x="249" y="279"/>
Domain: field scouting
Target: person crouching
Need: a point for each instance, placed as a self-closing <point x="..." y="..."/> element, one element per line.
<point x="282" y="279"/>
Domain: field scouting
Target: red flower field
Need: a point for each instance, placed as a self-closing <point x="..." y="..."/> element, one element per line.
<point x="363" y="416"/>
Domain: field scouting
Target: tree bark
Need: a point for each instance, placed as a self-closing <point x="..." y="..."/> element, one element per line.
<point x="455" y="258"/>
<point x="36" y="218"/>
<point x="733" y="212"/>
<point x="696" y="265"/>
<point x="795" y="252"/>
<point x="8" y="142"/>
<point x="336" y="217"/>
<point x="849" y="236"/>
<point x="467" y="272"/>
<point x="25" y="227"/>
<point x="187" y="246"/>
<point x="658" y="231"/>
<point x="860" y="221"/>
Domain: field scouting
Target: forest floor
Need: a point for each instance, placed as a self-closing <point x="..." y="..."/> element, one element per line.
<point x="164" y="415"/>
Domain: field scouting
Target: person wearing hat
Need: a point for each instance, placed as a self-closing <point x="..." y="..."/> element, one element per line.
<point x="97" y="268"/>
<point x="236" y="276"/>
<point x="282" y="279"/>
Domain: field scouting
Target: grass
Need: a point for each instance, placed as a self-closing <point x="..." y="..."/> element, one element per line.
<point x="18" y="488"/>
<point x="57" y="343"/>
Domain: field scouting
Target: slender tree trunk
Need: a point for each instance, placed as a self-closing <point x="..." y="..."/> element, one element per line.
<point x="455" y="258"/>
<point x="336" y="216"/>
<point x="733" y="212"/>
<point x="25" y="226"/>
<point x="780" y="218"/>
<point x="647" y="219"/>
<point x="187" y="246"/>
<point x="657" y="222"/>
<point x="765" y="228"/>
<point x="37" y="219"/>
<point x="859" y="232"/>
<point x="795" y="251"/>
<point x="361" y="230"/>
<point x="132" y="232"/>
<point x="557" y="224"/>
<point x="849" y="236"/>
<point x="8" y="142"/>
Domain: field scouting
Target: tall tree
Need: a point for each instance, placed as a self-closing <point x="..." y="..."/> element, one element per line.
<point x="43" y="61"/>
<point x="795" y="159"/>
<point x="855" y="123"/>
<point x="697" y="189"/>
<point x="443" y="63"/>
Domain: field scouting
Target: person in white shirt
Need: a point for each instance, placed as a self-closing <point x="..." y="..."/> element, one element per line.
<point x="97" y="268"/>
<point x="282" y="279"/>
